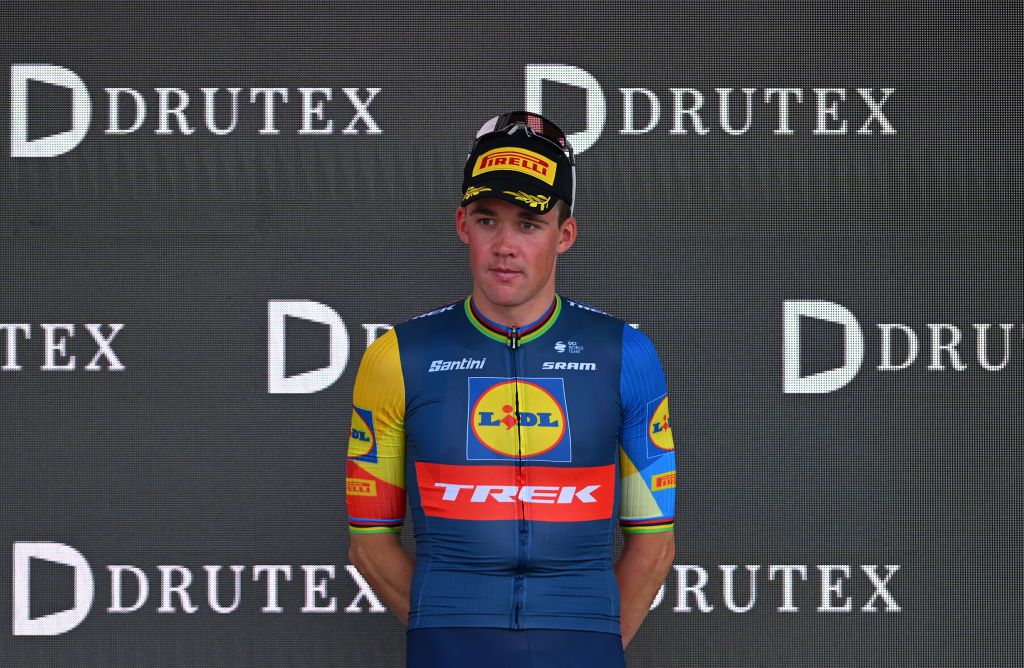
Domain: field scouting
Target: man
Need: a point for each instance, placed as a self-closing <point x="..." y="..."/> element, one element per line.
<point x="522" y="426"/>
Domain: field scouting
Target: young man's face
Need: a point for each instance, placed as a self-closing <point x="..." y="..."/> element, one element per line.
<point x="512" y="252"/>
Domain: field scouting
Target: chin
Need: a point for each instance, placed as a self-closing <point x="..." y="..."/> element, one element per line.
<point x="505" y="297"/>
<point x="508" y="301"/>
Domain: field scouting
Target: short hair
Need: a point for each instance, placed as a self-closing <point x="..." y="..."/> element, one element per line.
<point x="563" y="212"/>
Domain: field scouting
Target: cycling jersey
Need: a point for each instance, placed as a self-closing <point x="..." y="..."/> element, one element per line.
<point x="518" y="449"/>
<point x="505" y="648"/>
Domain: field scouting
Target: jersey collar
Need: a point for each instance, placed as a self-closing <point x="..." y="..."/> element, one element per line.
<point x="500" y="333"/>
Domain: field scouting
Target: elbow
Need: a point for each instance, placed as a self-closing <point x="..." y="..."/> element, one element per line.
<point x="664" y="555"/>
<point x="670" y="554"/>
<point x="652" y="552"/>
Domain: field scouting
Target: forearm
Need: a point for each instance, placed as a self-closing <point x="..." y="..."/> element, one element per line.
<point x="641" y="570"/>
<point x="387" y="566"/>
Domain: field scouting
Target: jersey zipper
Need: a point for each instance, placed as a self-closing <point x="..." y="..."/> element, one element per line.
<point x="518" y="584"/>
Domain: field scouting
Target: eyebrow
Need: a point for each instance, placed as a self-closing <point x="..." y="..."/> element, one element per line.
<point x="523" y="213"/>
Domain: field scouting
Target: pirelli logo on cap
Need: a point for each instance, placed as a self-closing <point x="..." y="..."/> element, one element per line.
<point x="516" y="160"/>
<point x="663" y="481"/>
<point x="361" y="487"/>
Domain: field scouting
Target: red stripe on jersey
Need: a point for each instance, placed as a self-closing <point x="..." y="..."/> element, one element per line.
<point x="545" y="493"/>
<point x="370" y="498"/>
<point x="639" y="523"/>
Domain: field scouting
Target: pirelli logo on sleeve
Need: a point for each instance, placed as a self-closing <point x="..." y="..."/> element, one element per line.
<point x="516" y="160"/>
<point x="663" y="481"/>
<point x="361" y="487"/>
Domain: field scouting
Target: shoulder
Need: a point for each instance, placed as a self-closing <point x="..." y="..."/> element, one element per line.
<point x="637" y="347"/>
<point x="630" y="333"/>
<point x="634" y="339"/>
<point x="639" y="356"/>
<point x="382" y="355"/>
<point x="419" y="329"/>
<point x="593" y="318"/>
<point x="433" y="318"/>
<point x="581" y="309"/>
<point x="432" y="313"/>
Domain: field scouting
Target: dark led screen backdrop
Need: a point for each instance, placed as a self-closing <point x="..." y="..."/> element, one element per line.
<point x="209" y="212"/>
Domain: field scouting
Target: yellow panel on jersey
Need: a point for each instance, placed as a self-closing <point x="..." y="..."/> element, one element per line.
<point x="375" y="486"/>
<point x="637" y="505"/>
<point x="647" y="461"/>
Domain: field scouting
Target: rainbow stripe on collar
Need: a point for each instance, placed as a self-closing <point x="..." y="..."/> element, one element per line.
<point x="500" y="333"/>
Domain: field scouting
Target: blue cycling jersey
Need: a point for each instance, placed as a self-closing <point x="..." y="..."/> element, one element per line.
<point x="517" y="450"/>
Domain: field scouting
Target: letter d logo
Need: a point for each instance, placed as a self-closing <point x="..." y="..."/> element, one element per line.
<point x="81" y="111"/>
<point x="569" y="75"/>
<point x="306" y="382"/>
<point x="58" y="622"/>
<point x="824" y="381"/>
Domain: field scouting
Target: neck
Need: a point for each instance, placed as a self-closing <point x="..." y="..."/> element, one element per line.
<point x="514" y="316"/>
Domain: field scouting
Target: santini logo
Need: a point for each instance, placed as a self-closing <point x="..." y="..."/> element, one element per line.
<point x="456" y="365"/>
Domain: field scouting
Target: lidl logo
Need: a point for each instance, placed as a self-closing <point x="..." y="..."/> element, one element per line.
<point x="526" y="418"/>
<point x="362" y="441"/>
<point x="659" y="429"/>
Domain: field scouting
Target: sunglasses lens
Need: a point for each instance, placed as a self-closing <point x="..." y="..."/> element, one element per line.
<point x="488" y="127"/>
<point x="535" y="122"/>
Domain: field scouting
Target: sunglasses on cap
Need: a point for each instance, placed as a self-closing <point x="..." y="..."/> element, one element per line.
<point x="533" y="125"/>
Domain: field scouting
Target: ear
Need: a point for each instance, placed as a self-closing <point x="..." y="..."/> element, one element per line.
<point x="567" y="235"/>
<point x="460" y="224"/>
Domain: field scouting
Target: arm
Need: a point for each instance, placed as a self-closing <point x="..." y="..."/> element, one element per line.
<point x="375" y="478"/>
<point x="387" y="566"/>
<point x="647" y="466"/>
<point x="641" y="570"/>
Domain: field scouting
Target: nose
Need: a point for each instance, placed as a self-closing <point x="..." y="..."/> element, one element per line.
<point x="504" y="241"/>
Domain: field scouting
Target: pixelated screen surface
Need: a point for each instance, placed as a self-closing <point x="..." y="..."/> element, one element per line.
<point x="210" y="211"/>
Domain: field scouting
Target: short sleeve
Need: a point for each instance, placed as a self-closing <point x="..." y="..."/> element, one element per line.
<point x="647" y="456"/>
<point x="375" y="470"/>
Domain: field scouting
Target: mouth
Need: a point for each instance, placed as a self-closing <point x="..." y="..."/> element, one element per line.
<point x="505" y="274"/>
